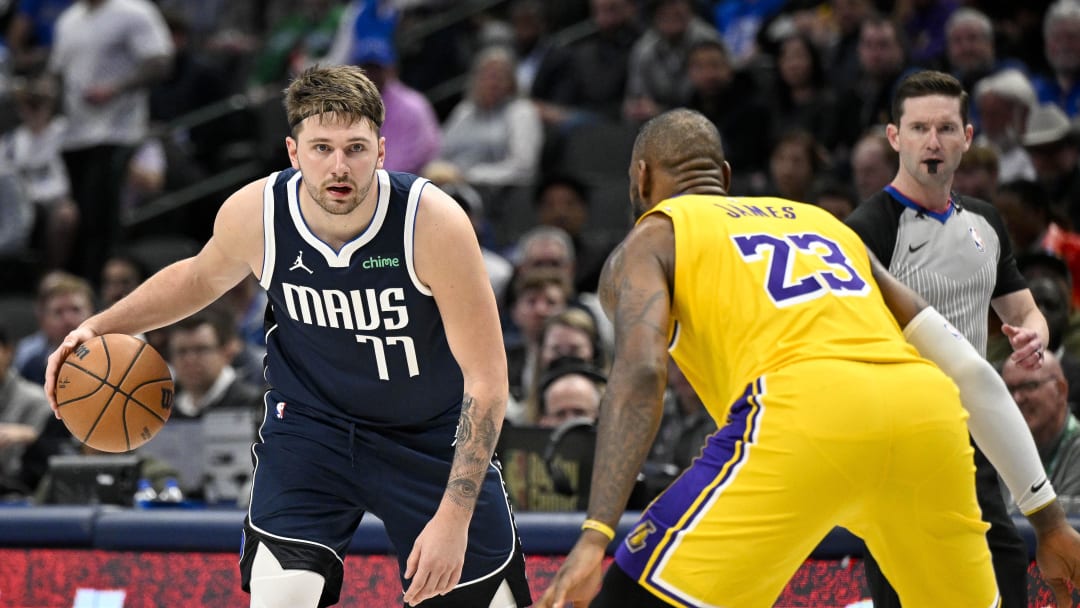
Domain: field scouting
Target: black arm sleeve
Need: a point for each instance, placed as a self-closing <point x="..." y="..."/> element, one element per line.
<point x="876" y="221"/>
<point x="1009" y="278"/>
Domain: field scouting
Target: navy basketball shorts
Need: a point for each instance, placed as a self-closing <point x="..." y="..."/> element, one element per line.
<point x="316" y="476"/>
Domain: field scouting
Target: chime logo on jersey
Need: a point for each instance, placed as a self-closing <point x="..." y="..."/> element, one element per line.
<point x="635" y="541"/>
<point x="353" y="310"/>
<point x="975" y="237"/>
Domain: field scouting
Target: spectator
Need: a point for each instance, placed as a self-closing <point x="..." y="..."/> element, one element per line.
<point x="246" y="302"/>
<point x="1004" y="101"/>
<point x="552" y="248"/>
<point x="200" y="349"/>
<point x="730" y="100"/>
<point x="30" y="33"/>
<point x="842" y="56"/>
<point x="597" y="74"/>
<point x="1052" y="297"/>
<point x="1048" y="279"/>
<point x="803" y="99"/>
<point x="977" y="175"/>
<point x="537" y="295"/>
<point x="1055" y="152"/>
<point x="658" y="67"/>
<point x="24" y="412"/>
<point x="297" y="40"/>
<point x="571" y="332"/>
<point x="970" y="55"/>
<point x="541" y="64"/>
<point x="64" y="301"/>
<point x="410" y="121"/>
<point x="568" y="391"/>
<point x="1042" y="396"/>
<point x="795" y="161"/>
<point x="562" y="201"/>
<point x="107" y="55"/>
<point x="120" y="275"/>
<point x="193" y="84"/>
<point x="924" y="26"/>
<point x="739" y="23"/>
<point x="874" y="162"/>
<point x="1045" y="265"/>
<point x="882" y="59"/>
<point x="1061" y="35"/>
<point x="16" y="227"/>
<point x="145" y="175"/>
<point x="834" y="196"/>
<point x="33" y="149"/>
<point x="362" y="20"/>
<point x="1025" y="208"/>
<point x="494" y="136"/>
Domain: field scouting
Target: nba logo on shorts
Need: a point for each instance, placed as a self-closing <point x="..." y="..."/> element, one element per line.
<point x="281" y="410"/>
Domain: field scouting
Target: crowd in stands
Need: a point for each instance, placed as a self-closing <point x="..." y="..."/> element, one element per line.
<point x="124" y="122"/>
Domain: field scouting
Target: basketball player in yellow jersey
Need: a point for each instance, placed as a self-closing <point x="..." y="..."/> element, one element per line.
<point x="828" y="416"/>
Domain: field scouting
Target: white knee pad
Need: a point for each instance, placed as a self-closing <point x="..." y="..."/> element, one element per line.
<point x="274" y="587"/>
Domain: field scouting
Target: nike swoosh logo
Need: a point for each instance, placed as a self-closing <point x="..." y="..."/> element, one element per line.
<point x="1035" y="487"/>
<point x="913" y="248"/>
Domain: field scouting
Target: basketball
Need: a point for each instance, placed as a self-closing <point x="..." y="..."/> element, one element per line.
<point x="114" y="393"/>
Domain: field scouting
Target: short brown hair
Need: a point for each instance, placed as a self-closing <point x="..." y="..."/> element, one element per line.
<point x="217" y="317"/>
<point x="342" y="90"/>
<point x="980" y="157"/>
<point x="540" y="278"/>
<point x="926" y="83"/>
<point x="60" y="283"/>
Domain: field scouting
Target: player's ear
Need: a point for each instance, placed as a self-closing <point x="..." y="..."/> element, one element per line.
<point x="292" y="147"/>
<point x="644" y="179"/>
<point x="725" y="174"/>
<point x="892" y="132"/>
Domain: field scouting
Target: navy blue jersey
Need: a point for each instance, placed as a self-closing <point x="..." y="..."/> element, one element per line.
<point x="354" y="332"/>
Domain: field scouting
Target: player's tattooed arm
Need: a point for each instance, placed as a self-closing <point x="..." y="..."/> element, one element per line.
<point x="636" y="291"/>
<point x="477" y="433"/>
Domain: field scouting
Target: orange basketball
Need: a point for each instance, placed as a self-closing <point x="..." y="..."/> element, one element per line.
<point x="114" y="392"/>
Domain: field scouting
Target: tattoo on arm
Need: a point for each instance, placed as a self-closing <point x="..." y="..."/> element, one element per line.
<point x="630" y="412"/>
<point x="474" y="442"/>
<point x="637" y="307"/>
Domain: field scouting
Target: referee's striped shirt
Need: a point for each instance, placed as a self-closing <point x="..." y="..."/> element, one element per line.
<point x="958" y="260"/>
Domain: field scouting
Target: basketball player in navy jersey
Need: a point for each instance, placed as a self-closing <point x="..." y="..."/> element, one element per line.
<point x="385" y="363"/>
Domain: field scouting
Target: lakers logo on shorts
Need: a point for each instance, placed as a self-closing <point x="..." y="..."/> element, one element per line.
<point x="635" y="541"/>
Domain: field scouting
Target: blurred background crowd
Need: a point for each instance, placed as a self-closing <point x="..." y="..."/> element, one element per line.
<point x="124" y="124"/>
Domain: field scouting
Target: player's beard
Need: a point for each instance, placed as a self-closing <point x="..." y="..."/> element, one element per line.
<point x="343" y="206"/>
<point x="637" y="204"/>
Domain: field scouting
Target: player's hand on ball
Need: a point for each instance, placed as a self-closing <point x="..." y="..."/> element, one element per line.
<point x="78" y="336"/>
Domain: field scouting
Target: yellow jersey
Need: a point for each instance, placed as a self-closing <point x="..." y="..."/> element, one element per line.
<point x="762" y="283"/>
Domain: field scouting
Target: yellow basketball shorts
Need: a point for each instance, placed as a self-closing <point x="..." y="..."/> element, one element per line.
<point x="881" y="449"/>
